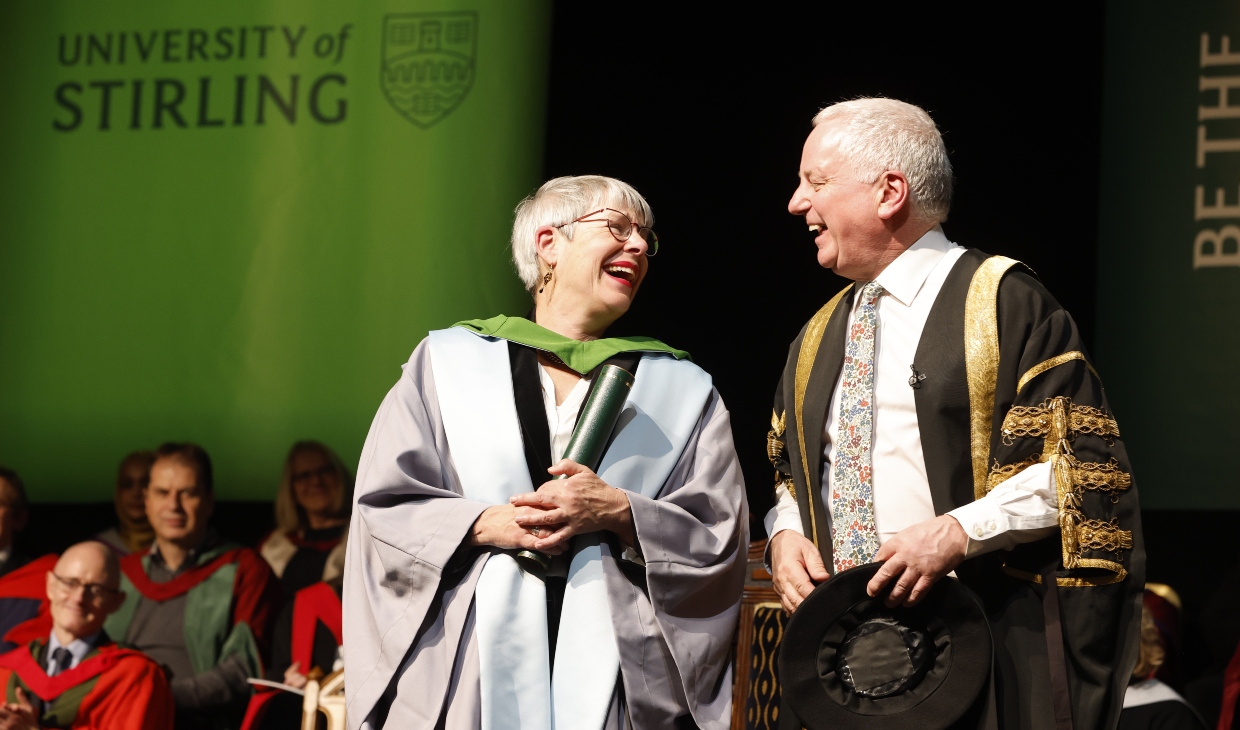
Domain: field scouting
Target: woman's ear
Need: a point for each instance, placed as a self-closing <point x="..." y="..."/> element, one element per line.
<point x="545" y="246"/>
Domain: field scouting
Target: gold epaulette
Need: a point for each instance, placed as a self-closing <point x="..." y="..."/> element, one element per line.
<point x="775" y="449"/>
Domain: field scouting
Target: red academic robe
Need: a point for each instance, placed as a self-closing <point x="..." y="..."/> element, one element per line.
<point x="255" y="594"/>
<point x="111" y="689"/>
<point x="25" y="613"/>
<point x="312" y="605"/>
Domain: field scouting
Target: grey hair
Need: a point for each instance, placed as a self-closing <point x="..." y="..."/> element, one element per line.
<point x="561" y="200"/>
<point x="879" y="134"/>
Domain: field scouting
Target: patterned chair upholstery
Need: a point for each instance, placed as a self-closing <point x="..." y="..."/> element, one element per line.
<point x="755" y="692"/>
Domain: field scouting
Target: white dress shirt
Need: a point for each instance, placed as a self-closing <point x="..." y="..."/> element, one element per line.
<point x="78" y="649"/>
<point x="1022" y="509"/>
<point x="562" y="418"/>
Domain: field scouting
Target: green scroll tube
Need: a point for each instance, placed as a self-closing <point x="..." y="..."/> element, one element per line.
<point x="591" y="434"/>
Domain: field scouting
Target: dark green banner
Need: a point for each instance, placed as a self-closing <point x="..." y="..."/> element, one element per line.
<point x="230" y="222"/>
<point x="1169" y="262"/>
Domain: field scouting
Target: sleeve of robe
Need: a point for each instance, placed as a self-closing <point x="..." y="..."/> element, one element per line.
<point x="409" y="518"/>
<point x="1041" y="346"/>
<point x="256" y="596"/>
<point x="675" y="624"/>
<point x="133" y="695"/>
<point x="282" y="645"/>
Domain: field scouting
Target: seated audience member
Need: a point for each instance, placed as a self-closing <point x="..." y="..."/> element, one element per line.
<point x="14" y="509"/>
<point x="312" y="513"/>
<point x="1150" y="704"/>
<point x="199" y="606"/>
<point x="23" y="599"/>
<point x="305" y="643"/>
<point x="76" y="676"/>
<point x="1164" y="606"/>
<point x="133" y="530"/>
<point x="25" y="613"/>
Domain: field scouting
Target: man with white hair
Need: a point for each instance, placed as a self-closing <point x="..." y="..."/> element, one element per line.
<point x="77" y="677"/>
<point x="940" y="414"/>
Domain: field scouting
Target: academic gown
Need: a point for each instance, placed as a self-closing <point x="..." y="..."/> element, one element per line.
<point x="1007" y="384"/>
<point x="111" y="689"/>
<point x="300" y="560"/>
<point x="308" y="632"/>
<point x="25" y="613"/>
<point x="230" y="603"/>
<point x="409" y="584"/>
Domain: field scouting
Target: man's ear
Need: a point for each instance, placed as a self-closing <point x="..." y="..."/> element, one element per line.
<point x="892" y="192"/>
<point x="545" y="245"/>
<point x="49" y="580"/>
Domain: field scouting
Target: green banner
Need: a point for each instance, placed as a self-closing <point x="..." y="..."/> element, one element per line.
<point x="231" y="222"/>
<point x="1169" y="258"/>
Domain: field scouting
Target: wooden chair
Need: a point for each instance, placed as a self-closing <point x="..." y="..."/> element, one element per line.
<point x="326" y="697"/>
<point x="755" y="688"/>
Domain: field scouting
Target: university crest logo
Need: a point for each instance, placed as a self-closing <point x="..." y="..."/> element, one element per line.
<point x="428" y="63"/>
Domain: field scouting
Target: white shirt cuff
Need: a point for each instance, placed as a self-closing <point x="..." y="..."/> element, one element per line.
<point x="1021" y="509"/>
<point x="785" y="515"/>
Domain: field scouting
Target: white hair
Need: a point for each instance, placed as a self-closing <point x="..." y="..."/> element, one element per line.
<point x="879" y="134"/>
<point x="561" y="200"/>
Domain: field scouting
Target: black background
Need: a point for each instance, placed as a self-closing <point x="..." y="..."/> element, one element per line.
<point x="705" y="114"/>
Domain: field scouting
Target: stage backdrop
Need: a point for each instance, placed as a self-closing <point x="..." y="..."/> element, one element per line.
<point x="231" y="222"/>
<point x="1168" y="326"/>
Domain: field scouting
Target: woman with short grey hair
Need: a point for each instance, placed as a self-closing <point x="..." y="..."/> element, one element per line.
<point x="628" y="620"/>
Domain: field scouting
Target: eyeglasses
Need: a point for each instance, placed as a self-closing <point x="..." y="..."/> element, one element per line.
<point x="90" y="591"/>
<point x="305" y="476"/>
<point x="621" y="226"/>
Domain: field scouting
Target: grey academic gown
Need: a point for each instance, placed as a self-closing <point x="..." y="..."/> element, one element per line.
<point x="411" y="654"/>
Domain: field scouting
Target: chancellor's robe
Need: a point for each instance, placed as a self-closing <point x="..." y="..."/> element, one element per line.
<point x="111" y="689"/>
<point x="1007" y="384"/>
<point x="411" y="650"/>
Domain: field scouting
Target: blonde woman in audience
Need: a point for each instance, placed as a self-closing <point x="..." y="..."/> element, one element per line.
<point x="312" y="514"/>
<point x="1150" y="704"/>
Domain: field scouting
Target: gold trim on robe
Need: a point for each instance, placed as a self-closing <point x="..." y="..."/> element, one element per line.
<point x="981" y="357"/>
<point x="1053" y="362"/>
<point x="805" y="364"/>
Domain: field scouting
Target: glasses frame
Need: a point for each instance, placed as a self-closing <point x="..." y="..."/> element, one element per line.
<point x="91" y="591"/>
<point x="323" y="472"/>
<point x="651" y="240"/>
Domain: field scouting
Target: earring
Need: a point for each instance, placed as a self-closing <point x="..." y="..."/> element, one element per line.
<point x="546" y="279"/>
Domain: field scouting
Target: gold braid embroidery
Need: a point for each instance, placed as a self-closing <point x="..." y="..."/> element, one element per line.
<point x="1059" y="421"/>
<point x="1035" y="421"/>
<point x="775" y="449"/>
<point x="1103" y="536"/>
<point x="1094" y="421"/>
<point x="1000" y="474"/>
<point x="1108" y="477"/>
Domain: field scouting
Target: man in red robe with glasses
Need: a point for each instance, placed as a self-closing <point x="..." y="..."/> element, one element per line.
<point x="76" y="676"/>
<point x="198" y="605"/>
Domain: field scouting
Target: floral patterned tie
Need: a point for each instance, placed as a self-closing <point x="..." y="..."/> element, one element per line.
<point x="854" y="537"/>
